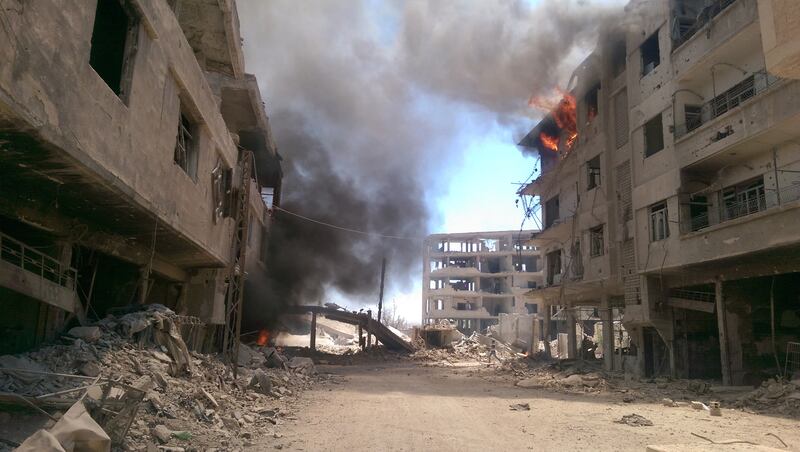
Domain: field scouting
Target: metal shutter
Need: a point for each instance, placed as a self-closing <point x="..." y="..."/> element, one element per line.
<point x="621" y="118"/>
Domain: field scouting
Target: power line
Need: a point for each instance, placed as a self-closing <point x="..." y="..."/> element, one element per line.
<point x="355" y="231"/>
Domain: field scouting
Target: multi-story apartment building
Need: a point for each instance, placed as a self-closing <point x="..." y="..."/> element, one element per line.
<point x="123" y="126"/>
<point x="472" y="278"/>
<point x="691" y="232"/>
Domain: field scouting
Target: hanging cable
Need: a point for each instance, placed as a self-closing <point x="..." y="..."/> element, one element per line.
<point x="355" y="231"/>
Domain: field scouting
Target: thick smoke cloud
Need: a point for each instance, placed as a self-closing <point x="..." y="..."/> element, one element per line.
<point x="367" y="102"/>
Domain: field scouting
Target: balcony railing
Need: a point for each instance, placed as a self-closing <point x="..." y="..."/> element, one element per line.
<point x="750" y="87"/>
<point x="742" y="207"/>
<point x="23" y="256"/>
<point x="686" y="26"/>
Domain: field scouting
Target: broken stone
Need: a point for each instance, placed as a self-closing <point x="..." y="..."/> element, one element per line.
<point x="635" y="420"/>
<point x="274" y="359"/>
<point x="209" y="397"/>
<point x="572" y="380"/>
<point x="261" y="382"/>
<point x="303" y="365"/>
<point x="161" y="356"/>
<point x="520" y="407"/>
<point x="87" y="333"/>
<point x="161" y="433"/>
<point x="89" y="369"/>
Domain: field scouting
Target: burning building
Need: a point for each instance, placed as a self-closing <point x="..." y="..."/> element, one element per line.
<point x="672" y="216"/>
<point x="134" y="153"/>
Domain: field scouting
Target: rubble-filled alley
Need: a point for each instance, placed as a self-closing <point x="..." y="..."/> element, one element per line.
<point x="213" y="215"/>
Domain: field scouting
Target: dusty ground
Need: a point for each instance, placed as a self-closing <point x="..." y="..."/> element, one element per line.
<point x="408" y="406"/>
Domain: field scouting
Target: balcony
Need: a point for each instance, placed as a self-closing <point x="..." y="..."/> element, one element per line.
<point x="754" y="116"/>
<point x="751" y="86"/>
<point x="738" y="202"/>
<point x="685" y="26"/>
<point x="32" y="273"/>
<point x="719" y="32"/>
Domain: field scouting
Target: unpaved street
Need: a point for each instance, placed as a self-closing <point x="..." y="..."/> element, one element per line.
<point x="405" y="406"/>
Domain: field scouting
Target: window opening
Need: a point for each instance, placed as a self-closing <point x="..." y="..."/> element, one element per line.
<point x="659" y="222"/>
<point x="651" y="54"/>
<point x="186" y="146"/>
<point x="597" y="247"/>
<point x="653" y="136"/>
<point x="113" y="37"/>
<point x="593" y="173"/>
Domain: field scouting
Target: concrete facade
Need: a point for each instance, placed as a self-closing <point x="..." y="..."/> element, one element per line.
<point x="473" y="278"/>
<point x="703" y="189"/>
<point x="122" y="148"/>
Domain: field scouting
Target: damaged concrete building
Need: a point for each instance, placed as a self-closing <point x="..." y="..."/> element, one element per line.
<point x="135" y="158"/>
<point x="672" y="204"/>
<point x="472" y="279"/>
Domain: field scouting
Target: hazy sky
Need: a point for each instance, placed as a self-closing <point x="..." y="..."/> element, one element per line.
<point x="428" y="97"/>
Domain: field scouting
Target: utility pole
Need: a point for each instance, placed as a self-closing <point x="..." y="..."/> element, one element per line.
<point x="380" y="297"/>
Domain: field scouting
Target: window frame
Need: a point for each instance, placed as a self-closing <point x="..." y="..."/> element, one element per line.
<point x="648" y="152"/>
<point x="190" y="161"/>
<point x="129" y="50"/>
<point x="642" y="50"/>
<point x="597" y="241"/>
<point x="659" y="221"/>
<point x="594" y="176"/>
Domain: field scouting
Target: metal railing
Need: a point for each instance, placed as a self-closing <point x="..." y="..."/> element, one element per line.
<point x="743" y="207"/>
<point x="696" y="295"/>
<point x="23" y="256"/>
<point x="686" y="26"/>
<point x="751" y="86"/>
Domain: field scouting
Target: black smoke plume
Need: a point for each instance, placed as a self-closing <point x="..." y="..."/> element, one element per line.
<point x="368" y="102"/>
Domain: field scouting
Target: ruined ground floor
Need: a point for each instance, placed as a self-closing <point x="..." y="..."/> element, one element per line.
<point x="408" y="406"/>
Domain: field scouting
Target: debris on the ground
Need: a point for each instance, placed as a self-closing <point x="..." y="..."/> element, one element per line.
<point x="635" y="420"/>
<point x="155" y="390"/>
<point x="520" y="407"/>
<point x="75" y="430"/>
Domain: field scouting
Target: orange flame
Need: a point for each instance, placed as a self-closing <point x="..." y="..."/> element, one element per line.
<point x="549" y="142"/>
<point x="564" y="113"/>
<point x="263" y="337"/>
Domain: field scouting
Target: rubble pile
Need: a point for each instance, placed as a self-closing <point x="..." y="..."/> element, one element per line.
<point x="475" y="347"/>
<point x="190" y="400"/>
<point x="772" y="396"/>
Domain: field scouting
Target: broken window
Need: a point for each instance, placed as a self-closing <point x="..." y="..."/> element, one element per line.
<point x="659" y="222"/>
<point x="592" y="103"/>
<point x="651" y="54"/>
<point x="113" y="44"/>
<point x="593" y="173"/>
<point x="653" y="136"/>
<point x="743" y="199"/>
<point x="532" y="308"/>
<point x="186" y="148"/>
<point x="551" y="211"/>
<point x="596" y="245"/>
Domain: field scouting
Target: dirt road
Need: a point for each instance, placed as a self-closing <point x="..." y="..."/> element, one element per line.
<point x="407" y="407"/>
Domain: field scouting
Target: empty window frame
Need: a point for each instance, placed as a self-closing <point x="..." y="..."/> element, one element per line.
<point x="659" y="222"/>
<point x="186" y="146"/>
<point x="553" y="266"/>
<point x="653" y="136"/>
<point x="651" y="54"/>
<point x="113" y="44"/>
<point x="596" y="242"/>
<point x="551" y="211"/>
<point x="439" y="304"/>
<point x="593" y="173"/>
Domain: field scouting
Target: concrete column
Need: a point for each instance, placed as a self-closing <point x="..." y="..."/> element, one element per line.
<point x="723" y="333"/>
<point x="313" y="344"/>
<point x="546" y="329"/>
<point x="143" y="283"/>
<point x="608" y="332"/>
<point x="572" y="335"/>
